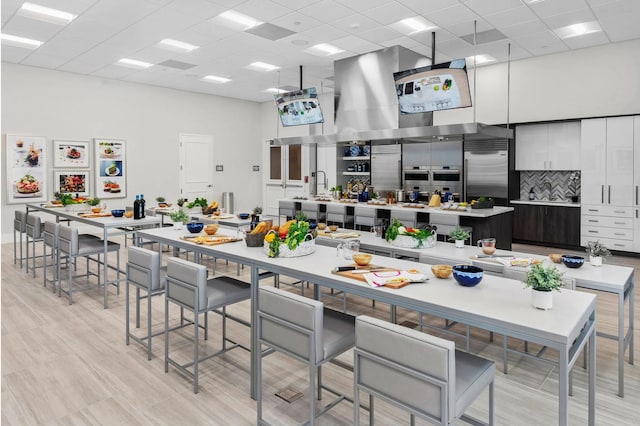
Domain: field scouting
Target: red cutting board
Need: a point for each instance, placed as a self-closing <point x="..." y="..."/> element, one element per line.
<point x="360" y="277"/>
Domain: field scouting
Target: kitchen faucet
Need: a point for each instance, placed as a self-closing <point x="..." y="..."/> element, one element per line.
<point x="547" y="185"/>
<point x="325" y="183"/>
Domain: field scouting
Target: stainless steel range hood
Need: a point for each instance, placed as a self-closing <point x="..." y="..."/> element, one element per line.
<point x="366" y="106"/>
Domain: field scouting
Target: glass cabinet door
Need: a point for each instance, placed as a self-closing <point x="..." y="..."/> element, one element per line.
<point x="294" y="163"/>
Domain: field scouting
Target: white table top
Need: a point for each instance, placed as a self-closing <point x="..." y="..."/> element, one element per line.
<point x="497" y="304"/>
<point x="101" y="222"/>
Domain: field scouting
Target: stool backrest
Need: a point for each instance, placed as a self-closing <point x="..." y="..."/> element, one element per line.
<point x="297" y="320"/>
<point x="68" y="240"/>
<point x="411" y="367"/>
<point x="19" y="221"/>
<point x="50" y="235"/>
<point x="143" y="267"/>
<point x="183" y="277"/>
<point x="33" y="226"/>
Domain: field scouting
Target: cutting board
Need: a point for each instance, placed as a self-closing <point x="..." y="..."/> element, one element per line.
<point x="360" y="277"/>
<point x="338" y="234"/>
<point x="210" y="240"/>
<point x="92" y="215"/>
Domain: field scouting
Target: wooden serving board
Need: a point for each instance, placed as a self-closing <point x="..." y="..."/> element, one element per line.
<point x="360" y="277"/>
<point x="93" y="215"/>
<point x="210" y="240"/>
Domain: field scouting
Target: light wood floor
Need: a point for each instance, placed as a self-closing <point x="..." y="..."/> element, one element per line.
<point x="66" y="365"/>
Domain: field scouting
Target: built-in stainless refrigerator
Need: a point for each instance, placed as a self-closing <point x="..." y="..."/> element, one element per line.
<point x="486" y="170"/>
<point x="386" y="163"/>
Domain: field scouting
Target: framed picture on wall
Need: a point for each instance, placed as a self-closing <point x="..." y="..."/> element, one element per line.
<point x="110" y="168"/>
<point x="71" y="154"/>
<point x="72" y="182"/>
<point x="26" y="168"/>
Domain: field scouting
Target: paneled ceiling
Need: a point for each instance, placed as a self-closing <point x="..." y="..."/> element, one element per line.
<point x="105" y="31"/>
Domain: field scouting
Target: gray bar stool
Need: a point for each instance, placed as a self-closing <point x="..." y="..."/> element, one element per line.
<point x="143" y="270"/>
<point x="19" y="224"/>
<point x="70" y="245"/>
<point x="188" y="287"/>
<point x="428" y="377"/>
<point x="33" y="231"/>
<point x="302" y="329"/>
<point x="50" y="240"/>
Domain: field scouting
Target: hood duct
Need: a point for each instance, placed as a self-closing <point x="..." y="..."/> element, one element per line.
<point x="366" y="106"/>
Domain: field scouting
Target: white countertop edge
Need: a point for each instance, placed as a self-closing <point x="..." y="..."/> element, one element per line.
<point x="546" y="203"/>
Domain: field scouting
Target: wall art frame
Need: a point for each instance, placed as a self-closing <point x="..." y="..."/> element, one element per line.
<point x="74" y="182"/>
<point x="71" y="154"/>
<point x="110" y="168"/>
<point x="26" y="168"/>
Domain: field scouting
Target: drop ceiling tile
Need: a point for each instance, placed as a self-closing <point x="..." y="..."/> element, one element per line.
<point x="116" y="72"/>
<point x="363" y="5"/>
<point x="322" y="34"/>
<point x="544" y="9"/>
<point x="587" y="40"/>
<point x="426" y="7"/>
<point x="327" y="11"/>
<point x="542" y="43"/>
<point x="452" y="15"/>
<point x="297" y="22"/>
<point x="456" y="48"/>
<point x="574" y="17"/>
<point x="404" y="41"/>
<point x="14" y="54"/>
<point x="390" y="13"/>
<point x="79" y="67"/>
<point x="465" y="28"/>
<point x="594" y="3"/>
<point x="356" y="44"/>
<point x="524" y="29"/>
<point x="8" y="8"/>
<point x="355" y="24"/>
<point x="204" y="33"/>
<point x="510" y="17"/>
<point x="297" y="5"/>
<point x="201" y="9"/>
<point x="264" y="10"/>
<point x="425" y="37"/>
<point x="483" y="7"/>
<point x="620" y="21"/>
<point x="379" y="35"/>
<point x="31" y="28"/>
<point x="102" y="56"/>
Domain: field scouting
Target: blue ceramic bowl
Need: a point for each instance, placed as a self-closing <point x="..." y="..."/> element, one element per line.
<point x="195" y="227"/>
<point x="243" y="215"/>
<point x="117" y="213"/>
<point x="572" y="261"/>
<point x="467" y="275"/>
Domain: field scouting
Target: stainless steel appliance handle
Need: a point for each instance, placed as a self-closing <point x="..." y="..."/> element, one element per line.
<point x="636" y="195"/>
<point x="602" y="193"/>
<point x="464" y="179"/>
<point x="609" y="194"/>
<point x="400" y="173"/>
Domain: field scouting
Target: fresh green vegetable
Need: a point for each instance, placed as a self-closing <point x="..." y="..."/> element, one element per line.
<point x="296" y="235"/>
<point x="198" y="202"/>
<point x="67" y="199"/>
<point x="397" y="228"/>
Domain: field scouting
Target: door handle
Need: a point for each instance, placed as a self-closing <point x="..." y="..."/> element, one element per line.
<point x="602" y="193"/>
<point x="636" y="195"/>
<point x="609" y="194"/>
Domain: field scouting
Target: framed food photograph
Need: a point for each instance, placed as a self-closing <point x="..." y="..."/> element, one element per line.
<point x="74" y="182"/>
<point x="26" y="168"/>
<point x="71" y="154"/>
<point x="110" y="168"/>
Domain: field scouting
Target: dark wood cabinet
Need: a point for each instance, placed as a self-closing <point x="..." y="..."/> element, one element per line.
<point x="555" y="225"/>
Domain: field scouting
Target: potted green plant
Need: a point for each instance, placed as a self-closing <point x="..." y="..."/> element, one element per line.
<point x="161" y="201"/>
<point x="543" y="280"/>
<point x="181" y="201"/>
<point x="597" y="252"/>
<point x="459" y="236"/>
<point x="179" y="218"/>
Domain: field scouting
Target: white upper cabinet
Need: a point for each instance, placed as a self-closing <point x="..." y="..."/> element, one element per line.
<point x="554" y="146"/>
<point x="607" y="161"/>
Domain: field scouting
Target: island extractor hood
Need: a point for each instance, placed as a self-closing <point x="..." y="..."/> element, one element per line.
<point x="366" y="106"/>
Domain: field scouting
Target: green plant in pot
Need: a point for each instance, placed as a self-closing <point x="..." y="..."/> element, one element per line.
<point x="179" y="218"/>
<point x="543" y="280"/>
<point x="161" y="201"/>
<point x="198" y="202"/>
<point x="597" y="252"/>
<point x="181" y="201"/>
<point x="459" y="236"/>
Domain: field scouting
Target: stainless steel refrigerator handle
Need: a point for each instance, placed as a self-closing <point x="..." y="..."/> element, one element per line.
<point x="464" y="181"/>
<point x="636" y="196"/>
<point x="602" y="194"/>
<point x="400" y="174"/>
<point x="609" y="194"/>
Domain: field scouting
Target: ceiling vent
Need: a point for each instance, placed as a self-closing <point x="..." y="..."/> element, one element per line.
<point x="484" y="37"/>
<point x="176" y="64"/>
<point x="270" y="31"/>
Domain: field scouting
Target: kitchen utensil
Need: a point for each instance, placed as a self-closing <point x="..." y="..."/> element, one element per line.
<point x="358" y="269"/>
<point x="399" y="195"/>
<point x="484" y="256"/>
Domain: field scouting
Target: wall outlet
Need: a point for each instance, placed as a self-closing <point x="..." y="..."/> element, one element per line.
<point x="219" y="168"/>
<point x="256" y="168"/>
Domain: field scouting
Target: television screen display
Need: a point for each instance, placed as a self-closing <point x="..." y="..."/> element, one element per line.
<point x="433" y="88"/>
<point x="299" y="107"/>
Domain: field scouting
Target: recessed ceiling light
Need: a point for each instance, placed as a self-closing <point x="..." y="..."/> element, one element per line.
<point x="275" y="90"/>
<point x="480" y="59"/>
<point x="181" y="46"/>
<point x="239" y="19"/>
<point x="414" y="25"/>
<point x="132" y="63"/>
<point x="262" y="66"/>
<point x="20" y="41"/>
<point x="533" y="1"/>
<point x="215" y="79"/>
<point x="576" y="30"/>
<point x="324" y="49"/>
<point x="46" y="14"/>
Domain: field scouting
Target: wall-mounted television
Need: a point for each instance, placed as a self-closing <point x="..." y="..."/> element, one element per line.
<point x="299" y="107"/>
<point x="433" y="88"/>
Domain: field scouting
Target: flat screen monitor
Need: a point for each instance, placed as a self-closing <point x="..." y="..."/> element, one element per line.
<point x="299" y="107"/>
<point x="433" y="88"/>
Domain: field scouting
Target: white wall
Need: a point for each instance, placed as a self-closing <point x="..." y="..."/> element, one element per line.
<point x="62" y="105"/>
<point x="597" y="81"/>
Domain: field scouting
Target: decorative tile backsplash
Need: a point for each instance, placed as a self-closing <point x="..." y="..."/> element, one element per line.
<point x="550" y="185"/>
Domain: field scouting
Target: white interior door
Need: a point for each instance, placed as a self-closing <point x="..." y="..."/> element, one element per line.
<point x="196" y="166"/>
<point x="283" y="174"/>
